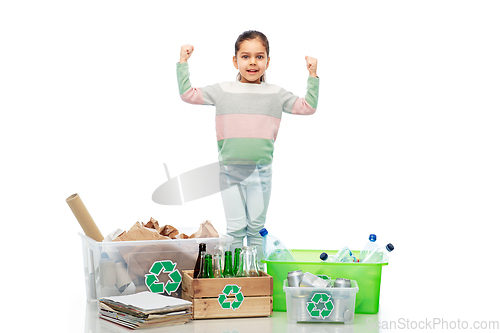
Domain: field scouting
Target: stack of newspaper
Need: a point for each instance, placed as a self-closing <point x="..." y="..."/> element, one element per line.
<point x="145" y="310"/>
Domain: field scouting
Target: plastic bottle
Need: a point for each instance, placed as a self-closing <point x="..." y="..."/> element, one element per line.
<point x="380" y="255"/>
<point x="369" y="247"/>
<point x="343" y="255"/>
<point x="273" y="248"/>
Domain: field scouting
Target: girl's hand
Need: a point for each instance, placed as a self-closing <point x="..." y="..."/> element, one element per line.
<point x="186" y="52"/>
<point x="312" y="65"/>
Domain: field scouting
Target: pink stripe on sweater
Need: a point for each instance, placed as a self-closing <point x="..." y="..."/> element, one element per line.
<point x="302" y="107"/>
<point x="246" y="126"/>
<point x="193" y="96"/>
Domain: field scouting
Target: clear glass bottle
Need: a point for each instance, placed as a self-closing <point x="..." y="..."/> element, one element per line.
<point x="220" y="248"/>
<point x="217" y="265"/>
<point x="253" y="267"/>
<point x="228" y="265"/>
<point x="242" y="263"/>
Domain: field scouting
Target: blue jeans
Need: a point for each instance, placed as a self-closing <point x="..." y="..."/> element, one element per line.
<point x="246" y="190"/>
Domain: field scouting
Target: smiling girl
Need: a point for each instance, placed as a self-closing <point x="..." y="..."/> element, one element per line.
<point x="248" y="116"/>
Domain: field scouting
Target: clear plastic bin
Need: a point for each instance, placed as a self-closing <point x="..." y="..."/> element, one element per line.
<point x="121" y="268"/>
<point x="320" y="305"/>
<point x="368" y="276"/>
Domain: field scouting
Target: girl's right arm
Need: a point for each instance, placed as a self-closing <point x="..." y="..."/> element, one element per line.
<point x="200" y="96"/>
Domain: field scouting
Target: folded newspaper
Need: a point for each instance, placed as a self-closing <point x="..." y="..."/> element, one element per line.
<point x="145" y="310"/>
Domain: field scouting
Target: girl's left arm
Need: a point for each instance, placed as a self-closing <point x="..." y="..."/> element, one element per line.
<point x="308" y="104"/>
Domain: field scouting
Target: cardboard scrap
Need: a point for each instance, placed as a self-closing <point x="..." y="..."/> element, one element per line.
<point x="206" y="230"/>
<point x="169" y="231"/>
<point x="152" y="230"/>
<point x="140" y="231"/>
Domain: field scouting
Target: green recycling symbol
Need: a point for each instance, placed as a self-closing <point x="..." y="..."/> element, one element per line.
<point x="152" y="279"/>
<point x="234" y="304"/>
<point x="323" y="311"/>
<point x="323" y="276"/>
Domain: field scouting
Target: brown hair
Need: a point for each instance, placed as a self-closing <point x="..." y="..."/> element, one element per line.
<point x="249" y="35"/>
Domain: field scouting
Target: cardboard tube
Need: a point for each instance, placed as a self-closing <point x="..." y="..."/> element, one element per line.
<point x="82" y="215"/>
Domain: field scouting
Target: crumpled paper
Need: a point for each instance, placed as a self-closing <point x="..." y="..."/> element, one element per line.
<point x="151" y="230"/>
<point x="206" y="230"/>
<point x="140" y="257"/>
<point x="148" y="231"/>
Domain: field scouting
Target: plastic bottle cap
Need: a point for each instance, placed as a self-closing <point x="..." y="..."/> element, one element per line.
<point x="372" y="237"/>
<point x="323" y="256"/>
<point x="389" y="247"/>
<point x="263" y="232"/>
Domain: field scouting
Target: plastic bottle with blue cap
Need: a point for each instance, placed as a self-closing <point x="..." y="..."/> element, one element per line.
<point x="369" y="247"/>
<point x="380" y="255"/>
<point x="343" y="255"/>
<point x="273" y="248"/>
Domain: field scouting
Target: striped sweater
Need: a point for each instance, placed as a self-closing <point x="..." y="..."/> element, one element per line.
<point x="248" y="115"/>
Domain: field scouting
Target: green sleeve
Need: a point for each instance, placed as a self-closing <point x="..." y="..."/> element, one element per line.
<point x="183" y="77"/>
<point x="312" y="91"/>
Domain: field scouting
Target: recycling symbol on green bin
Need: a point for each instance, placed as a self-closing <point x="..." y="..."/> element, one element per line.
<point x="236" y="302"/>
<point x="158" y="267"/>
<point x="320" y="306"/>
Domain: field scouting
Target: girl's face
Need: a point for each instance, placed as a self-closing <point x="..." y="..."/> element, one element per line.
<point x="251" y="60"/>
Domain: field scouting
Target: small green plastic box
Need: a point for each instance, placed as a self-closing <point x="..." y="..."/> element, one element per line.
<point x="368" y="277"/>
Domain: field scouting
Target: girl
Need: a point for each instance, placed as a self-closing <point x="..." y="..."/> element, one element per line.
<point x="248" y="115"/>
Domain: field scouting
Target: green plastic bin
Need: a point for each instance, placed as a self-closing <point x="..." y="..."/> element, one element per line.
<point x="368" y="277"/>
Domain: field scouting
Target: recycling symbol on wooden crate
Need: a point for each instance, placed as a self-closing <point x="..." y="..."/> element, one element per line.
<point x="236" y="302"/>
<point x="320" y="306"/>
<point x="167" y="266"/>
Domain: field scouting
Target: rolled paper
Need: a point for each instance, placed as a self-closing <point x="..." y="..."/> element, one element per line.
<point x="82" y="215"/>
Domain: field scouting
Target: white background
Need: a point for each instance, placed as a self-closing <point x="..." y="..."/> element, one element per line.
<point x="404" y="144"/>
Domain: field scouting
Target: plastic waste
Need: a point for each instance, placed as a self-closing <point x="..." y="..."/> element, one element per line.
<point x="369" y="247"/>
<point x="273" y="248"/>
<point x="380" y="255"/>
<point x="343" y="255"/>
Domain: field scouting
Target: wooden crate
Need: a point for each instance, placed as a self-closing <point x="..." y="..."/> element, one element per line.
<point x="208" y="294"/>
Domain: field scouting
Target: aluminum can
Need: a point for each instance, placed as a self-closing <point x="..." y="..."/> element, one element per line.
<point x="342" y="283"/>
<point x="341" y="312"/>
<point x="294" y="278"/>
<point x="311" y="280"/>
